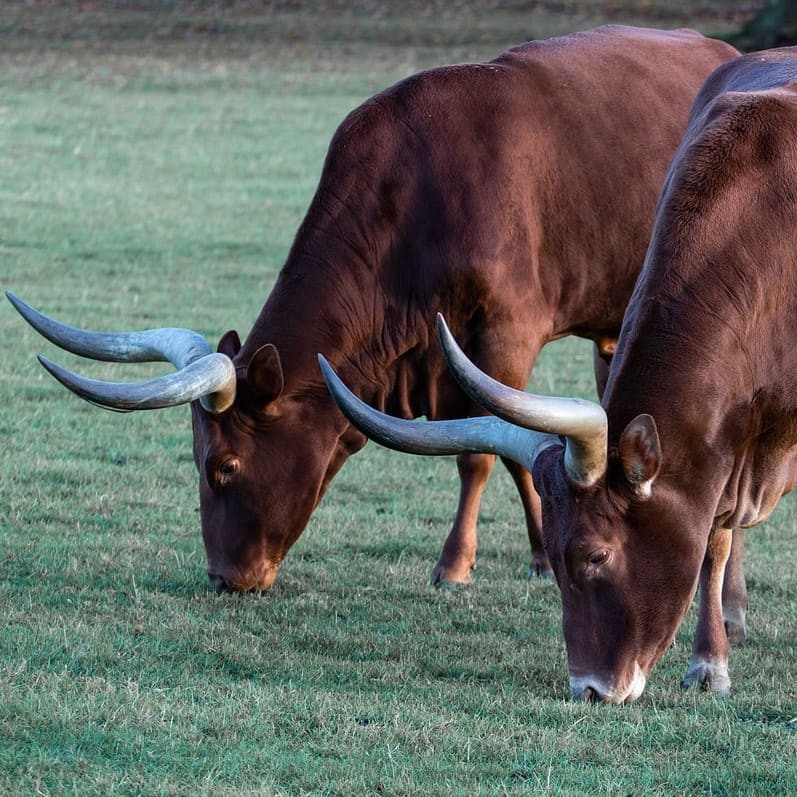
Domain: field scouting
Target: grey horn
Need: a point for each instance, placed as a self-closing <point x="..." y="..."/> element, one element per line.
<point x="487" y="434"/>
<point x="582" y="423"/>
<point x="201" y="373"/>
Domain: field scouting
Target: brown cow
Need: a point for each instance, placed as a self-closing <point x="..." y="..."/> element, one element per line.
<point x="699" y="432"/>
<point x="516" y="196"/>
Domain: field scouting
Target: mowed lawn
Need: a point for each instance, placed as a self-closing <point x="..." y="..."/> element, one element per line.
<point x="158" y="182"/>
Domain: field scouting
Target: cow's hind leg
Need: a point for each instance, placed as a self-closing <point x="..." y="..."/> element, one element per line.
<point x="734" y="592"/>
<point x="540" y="566"/>
<point x="708" y="668"/>
<point x="458" y="556"/>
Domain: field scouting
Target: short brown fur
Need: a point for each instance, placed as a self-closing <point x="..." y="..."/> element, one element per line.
<point x="516" y="197"/>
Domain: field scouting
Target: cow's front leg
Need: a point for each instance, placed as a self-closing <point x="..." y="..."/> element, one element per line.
<point x="708" y="668"/>
<point x="540" y="566"/>
<point x="734" y="592"/>
<point x="458" y="556"/>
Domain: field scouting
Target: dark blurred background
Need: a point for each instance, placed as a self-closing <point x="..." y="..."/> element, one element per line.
<point x="246" y="24"/>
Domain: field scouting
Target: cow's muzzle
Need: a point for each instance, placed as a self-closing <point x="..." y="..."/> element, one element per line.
<point x="592" y="689"/>
<point x="236" y="582"/>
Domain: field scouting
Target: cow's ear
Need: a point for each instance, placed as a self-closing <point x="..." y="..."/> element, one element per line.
<point x="230" y="344"/>
<point x="640" y="454"/>
<point x="264" y="373"/>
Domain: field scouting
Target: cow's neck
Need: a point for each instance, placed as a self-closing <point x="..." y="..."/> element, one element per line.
<point x="347" y="315"/>
<point x="694" y="354"/>
<point x="677" y="383"/>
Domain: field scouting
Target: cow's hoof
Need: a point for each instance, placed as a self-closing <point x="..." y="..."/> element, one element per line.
<point x="535" y="572"/>
<point x="736" y="627"/>
<point x="450" y="586"/>
<point x="708" y="676"/>
<point x="539" y="567"/>
<point x="449" y="577"/>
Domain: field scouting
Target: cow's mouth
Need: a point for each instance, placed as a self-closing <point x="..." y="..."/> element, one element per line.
<point x="590" y="688"/>
<point x="237" y="582"/>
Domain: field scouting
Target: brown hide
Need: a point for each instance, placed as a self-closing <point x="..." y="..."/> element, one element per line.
<point x="515" y="196"/>
<point x="708" y="352"/>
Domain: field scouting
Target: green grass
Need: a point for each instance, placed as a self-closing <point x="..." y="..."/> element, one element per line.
<point x="162" y="184"/>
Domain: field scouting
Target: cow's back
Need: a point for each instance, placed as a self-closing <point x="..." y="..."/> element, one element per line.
<point x="534" y="174"/>
<point x="515" y="196"/>
<point x="732" y="188"/>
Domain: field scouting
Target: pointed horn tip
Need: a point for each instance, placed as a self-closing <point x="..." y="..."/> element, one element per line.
<point x="52" y="368"/>
<point x="16" y="302"/>
<point x="61" y="374"/>
<point x="447" y="339"/>
<point x="33" y="316"/>
<point x="48" y="364"/>
<point x="349" y="404"/>
<point x="330" y="377"/>
<point x="58" y="372"/>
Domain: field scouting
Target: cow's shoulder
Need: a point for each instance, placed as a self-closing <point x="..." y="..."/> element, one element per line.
<point x="743" y="130"/>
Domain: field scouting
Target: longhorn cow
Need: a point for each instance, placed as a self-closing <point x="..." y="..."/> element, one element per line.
<point x="696" y="434"/>
<point x="516" y="196"/>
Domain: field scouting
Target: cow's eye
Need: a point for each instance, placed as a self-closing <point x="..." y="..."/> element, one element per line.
<point x="226" y="470"/>
<point x="598" y="557"/>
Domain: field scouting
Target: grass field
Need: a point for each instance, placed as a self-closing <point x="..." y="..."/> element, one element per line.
<point x="158" y="180"/>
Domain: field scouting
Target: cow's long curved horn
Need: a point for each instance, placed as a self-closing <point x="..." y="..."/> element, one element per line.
<point x="486" y="433"/>
<point x="582" y="423"/>
<point x="201" y="373"/>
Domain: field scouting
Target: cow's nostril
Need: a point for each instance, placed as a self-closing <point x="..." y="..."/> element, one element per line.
<point x="591" y="695"/>
<point x="219" y="583"/>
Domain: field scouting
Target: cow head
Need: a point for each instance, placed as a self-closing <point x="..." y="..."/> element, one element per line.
<point x="615" y="539"/>
<point x="263" y="466"/>
<point x="261" y="470"/>
<point x="625" y="569"/>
